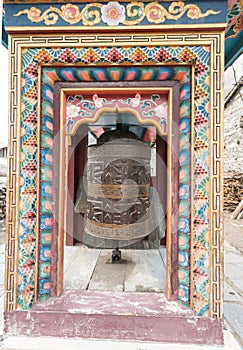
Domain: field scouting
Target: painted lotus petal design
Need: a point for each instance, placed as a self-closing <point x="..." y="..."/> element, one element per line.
<point x="113" y="13"/>
<point x="72" y="111"/>
<point x="136" y="100"/>
<point x="98" y="101"/>
<point x="161" y="111"/>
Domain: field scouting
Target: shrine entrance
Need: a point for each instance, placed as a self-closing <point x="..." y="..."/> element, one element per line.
<point x="117" y="187"/>
<point x="96" y="263"/>
<point x="115" y="147"/>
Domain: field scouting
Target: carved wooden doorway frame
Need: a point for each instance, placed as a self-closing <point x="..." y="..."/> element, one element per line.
<point x="60" y="147"/>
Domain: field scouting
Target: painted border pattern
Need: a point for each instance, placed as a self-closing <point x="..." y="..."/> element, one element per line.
<point x="215" y="41"/>
<point x="114" y="13"/>
<point x="180" y="73"/>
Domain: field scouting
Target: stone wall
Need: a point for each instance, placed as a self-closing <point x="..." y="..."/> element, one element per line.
<point x="3" y="168"/>
<point x="2" y="202"/>
<point x="3" y="175"/>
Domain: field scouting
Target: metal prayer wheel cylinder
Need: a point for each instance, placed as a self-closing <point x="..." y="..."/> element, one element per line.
<point x="118" y="190"/>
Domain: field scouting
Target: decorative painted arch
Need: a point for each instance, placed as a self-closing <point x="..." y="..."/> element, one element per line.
<point x="147" y="108"/>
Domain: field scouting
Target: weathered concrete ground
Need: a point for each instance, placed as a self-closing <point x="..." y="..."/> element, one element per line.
<point x="233" y="303"/>
<point x="233" y="297"/>
<point x="233" y="232"/>
<point x="2" y="269"/>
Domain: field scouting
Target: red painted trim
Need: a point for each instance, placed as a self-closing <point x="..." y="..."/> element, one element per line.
<point x="70" y="198"/>
<point x="175" y="189"/>
<point x="115" y="316"/>
<point x="55" y="179"/>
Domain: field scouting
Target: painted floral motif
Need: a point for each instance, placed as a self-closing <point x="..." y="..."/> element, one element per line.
<point x="72" y="111"/>
<point x="155" y="14"/>
<point x="235" y="18"/>
<point x="161" y="111"/>
<point x="113" y="13"/>
<point x="154" y="107"/>
<point x="193" y="12"/>
<point x="71" y="13"/>
<point x="98" y="101"/>
<point x="34" y="13"/>
<point x="136" y="100"/>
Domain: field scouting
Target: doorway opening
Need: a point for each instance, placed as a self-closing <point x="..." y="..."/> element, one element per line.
<point x="149" y="257"/>
<point x="136" y="262"/>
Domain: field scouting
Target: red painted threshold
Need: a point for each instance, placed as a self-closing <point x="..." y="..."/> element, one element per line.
<point x="114" y="316"/>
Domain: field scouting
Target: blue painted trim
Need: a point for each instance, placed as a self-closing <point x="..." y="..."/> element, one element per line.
<point x="22" y="20"/>
<point x="4" y="33"/>
<point x="233" y="49"/>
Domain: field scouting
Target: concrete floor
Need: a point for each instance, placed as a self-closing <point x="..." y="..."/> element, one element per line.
<point x="17" y="343"/>
<point x="2" y="269"/>
<point x="89" y="269"/>
<point x="233" y="292"/>
<point x="233" y="309"/>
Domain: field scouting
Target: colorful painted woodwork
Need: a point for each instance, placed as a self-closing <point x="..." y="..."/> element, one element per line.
<point x="193" y="60"/>
<point x="156" y="73"/>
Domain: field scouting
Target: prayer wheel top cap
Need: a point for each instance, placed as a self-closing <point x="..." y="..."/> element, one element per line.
<point x="116" y="134"/>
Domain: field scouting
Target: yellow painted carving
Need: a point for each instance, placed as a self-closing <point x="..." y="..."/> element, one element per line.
<point x="156" y="13"/>
<point x="177" y="9"/>
<point x="132" y="10"/>
<point x="135" y="13"/>
<point x="91" y="17"/>
<point x="70" y="14"/>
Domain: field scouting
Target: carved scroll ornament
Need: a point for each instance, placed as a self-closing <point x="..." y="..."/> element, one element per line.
<point x="115" y="13"/>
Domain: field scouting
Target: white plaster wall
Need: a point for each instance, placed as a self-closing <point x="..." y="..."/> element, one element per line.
<point x="233" y="132"/>
<point x="233" y="74"/>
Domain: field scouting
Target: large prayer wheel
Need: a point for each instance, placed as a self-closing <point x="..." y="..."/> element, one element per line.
<point x="118" y="209"/>
<point x="118" y="187"/>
